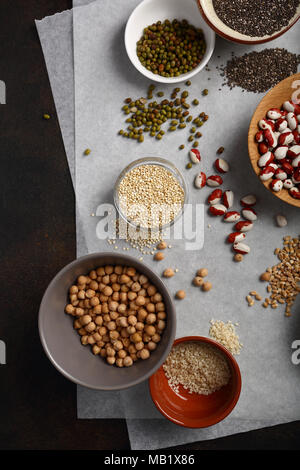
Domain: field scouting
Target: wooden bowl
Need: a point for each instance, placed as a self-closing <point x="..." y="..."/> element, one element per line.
<point x="192" y="410"/>
<point x="273" y="99"/>
<point x="209" y="15"/>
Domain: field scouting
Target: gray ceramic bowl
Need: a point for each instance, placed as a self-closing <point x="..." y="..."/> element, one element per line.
<point x="62" y="343"/>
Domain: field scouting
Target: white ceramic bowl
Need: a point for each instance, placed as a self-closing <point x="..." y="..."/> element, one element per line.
<point x="208" y="12"/>
<point x="151" y="11"/>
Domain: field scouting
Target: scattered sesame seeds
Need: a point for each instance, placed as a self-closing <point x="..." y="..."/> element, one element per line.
<point x="225" y="334"/>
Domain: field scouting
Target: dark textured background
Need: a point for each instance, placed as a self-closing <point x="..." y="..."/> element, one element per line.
<point x="37" y="404"/>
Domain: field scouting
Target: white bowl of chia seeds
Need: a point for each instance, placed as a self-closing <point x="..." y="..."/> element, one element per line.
<point x="250" y="21"/>
<point x="163" y="57"/>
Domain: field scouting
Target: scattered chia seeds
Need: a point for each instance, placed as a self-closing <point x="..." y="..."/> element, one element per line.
<point x="260" y="71"/>
<point x="256" y="18"/>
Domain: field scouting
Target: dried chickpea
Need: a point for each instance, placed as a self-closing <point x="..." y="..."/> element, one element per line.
<point x="94" y="302"/>
<point x="100" y="271"/>
<point x="180" y="294"/>
<point x="77" y="324"/>
<point x="91" y="340"/>
<point x="109" y="269"/>
<point x="198" y="281"/>
<point x="118" y="269"/>
<point x="135" y="287"/>
<point x="122" y="321"/>
<point x="111" y="360"/>
<point x="144" y="354"/>
<point x="113" y="306"/>
<point x="107" y="291"/>
<point x="85" y="319"/>
<point x="111" y="325"/>
<point x="161" y="245"/>
<point x="118" y="345"/>
<point x="94" y="285"/>
<point x="70" y="309"/>
<point x="206" y="286"/>
<point x="96" y="349"/>
<point x="160" y="307"/>
<point x="124" y="279"/>
<point x="136" y="338"/>
<point x="84" y="339"/>
<point x="73" y="290"/>
<point x="139" y="326"/>
<point x="113" y="278"/>
<point x="127" y="361"/>
<point x="131" y="329"/>
<point x="151" y="290"/>
<point x="132" y="320"/>
<point x="150" y="307"/>
<point x="139" y="346"/>
<point x="157" y="297"/>
<point x="161" y="315"/>
<point x="93" y="274"/>
<point x="168" y="272"/>
<point x="150" y="330"/>
<point x="82" y="280"/>
<point x="114" y="334"/>
<point x="90" y="327"/>
<point x="161" y="325"/>
<point x="140" y="300"/>
<point x="159" y="256"/>
<point x="203" y="272"/>
<point x="115" y="287"/>
<point x="265" y="277"/>
<point x="151" y="346"/>
<point x="131" y="271"/>
<point x="121" y="353"/>
<point x="132" y="295"/>
<point x="150" y="319"/>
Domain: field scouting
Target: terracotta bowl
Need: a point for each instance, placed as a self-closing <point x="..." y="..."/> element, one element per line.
<point x="209" y="15"/>
<point x="192" y="410"/>
<point x="273" y="99"/>
<point x="62" y="343"/>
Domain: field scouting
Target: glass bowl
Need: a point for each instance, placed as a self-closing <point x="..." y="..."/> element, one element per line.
<point x="158" y="161"/>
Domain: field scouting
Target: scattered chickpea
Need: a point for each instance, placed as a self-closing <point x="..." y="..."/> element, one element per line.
<point x="159" y="256"/>
<point x="206" y="286"/>
<point x="198" y="281"/>
<point x="162" y="245"/>
<point x="238" y="257"/>
<point x="265" y="276"/>
<point x="203" y="272"/>
<point x="168" y="272"/>
<point x="180" y="294"/>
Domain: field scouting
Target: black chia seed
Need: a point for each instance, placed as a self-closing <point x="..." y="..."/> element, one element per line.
<point x="259" y="71"/>
<point x="256" y="17"/>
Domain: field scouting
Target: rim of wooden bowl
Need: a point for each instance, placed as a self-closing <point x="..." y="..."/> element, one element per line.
<point x="274" y="98"/>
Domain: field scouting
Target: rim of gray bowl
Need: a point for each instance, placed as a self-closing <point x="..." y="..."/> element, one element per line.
<point x="144" y="269"/>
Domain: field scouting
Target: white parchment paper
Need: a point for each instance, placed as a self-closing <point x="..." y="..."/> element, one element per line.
<point x="57" y="74"/>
